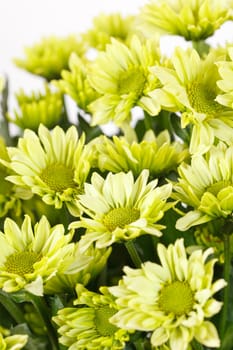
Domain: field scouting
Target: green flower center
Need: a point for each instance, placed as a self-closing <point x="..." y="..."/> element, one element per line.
<point x="120" y="217"/>
<point x="201" y="98"/>
<point x="132" y="80"/>
<point x="103" y="326"/>
<point x="21" y="263"/>
<point x="218" y="186"/>
<point x="177" y="298"/>
<point x="58" y="177"/>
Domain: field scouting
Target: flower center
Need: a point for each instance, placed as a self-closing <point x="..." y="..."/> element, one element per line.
<point x="120" y="217"/>
<point x="176" y="297"/>
<point x="58" y="177"/>
<point x="103" y="326"/>
<point x="218" y="186"/>
<point x="21" y="263"/>
<point x="132" y="80"/>
<point x="202" y="98"/>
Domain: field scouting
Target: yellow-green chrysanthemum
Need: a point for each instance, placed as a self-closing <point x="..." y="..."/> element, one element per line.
<point x="107" y="26"/>
<point x="121" y="75"/>
<point x="50" y="56"/>
<point x="118" y="208"/>
<point x="31" y="255"/>
<point x="207" y="186"/>
<point x="53" y="164"/>
<point x="80" y="267"/>
<point x="74" y="83"/>
<point x="11" y="196"/>
<point x="225" y="68"/>
<point x="190" y="88"/>
<point x="193" y="19"/>
<point x="87" y="327"/>
<point x="37" y="108"/>
<point x="12" y="342"/>
<point x="176" y="298"/>
<point x="158" y="154"/>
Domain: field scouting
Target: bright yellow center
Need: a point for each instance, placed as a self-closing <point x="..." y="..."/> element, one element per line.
<point x="120" y="217"/>
<point x="177" y="298"/>
<point x="132" y="80"/>
<point x="58" y="177"/>
<point x="21" y="263"/>
<point x="201" y="98"/>
<point x="103" y="326"/>
<point x="218" y="186"/>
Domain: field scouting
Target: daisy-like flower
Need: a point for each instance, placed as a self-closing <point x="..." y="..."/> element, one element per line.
<point x="121" y="75"/>
<point x="80" y="267"/>
<point x="50" y="56"/>
<point x="193" y="19"/>
<point x="87" y="327"/>
<point x="225" y="68"/>
<point x="37" y="108"/>
<point x="53" y="165"/>
<point x="119" y="209"/>
<point x="156" y="153"/>
<point x="175" y="301"/>
<point x="31" y="255"/>
<point x="12" y="342"/>
<point x="207" y="186"/>
<point x="190" y="87"/>
<point x="107" y="26"/>
<point x="74" y="82"/>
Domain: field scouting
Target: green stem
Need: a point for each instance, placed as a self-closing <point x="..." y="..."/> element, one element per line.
<point x="226" y="276"/>
<point x="42" y="309"/>
<point x="196" y="345"/>
<point x="133" y="253"/>
<point x="12" y="307"/>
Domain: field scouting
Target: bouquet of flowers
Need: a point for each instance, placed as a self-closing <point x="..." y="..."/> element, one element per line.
<point x="117" y="226"/>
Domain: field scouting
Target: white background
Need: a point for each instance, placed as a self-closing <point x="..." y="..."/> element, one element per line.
<point x="25" y="22"/>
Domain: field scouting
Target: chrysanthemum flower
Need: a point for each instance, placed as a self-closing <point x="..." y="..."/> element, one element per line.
<point x="121" y="75"/>
<point x="193" y="19"/>
<point x="118" y="208"/>
<point x="80" y="267"/>
<point x="74" y="83"/>
<point x="88" y="327"/>
<point x="190" y="88"/>
<point x="12" y="342"/>
<point x="107" y="26"/>
<point x="207" y="186"/>
<point x="53" y="165"/>
<point x="37" y="108"/>
<point x="50" y="56"/>
<point x="176" y="298"/>
<point x="31" y="255"/>
<point x="156" y="153"/>
<point x="225" y="68"/>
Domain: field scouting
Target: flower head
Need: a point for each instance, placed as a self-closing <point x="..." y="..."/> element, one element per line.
<point x="190" y="87"/>
<point x="156" y="153"/>
<point x="193" y="19"/>
<point x="37" y="108"/>
<point x="75" y="83"/>
<point x="176" y="298"/>
<point x="207" y="186"/>
<point x="121" y="75"/>
<point x="53" y="164"/>
<point x="118" y="208"/>
<point x="31" y="255"/>
<point x="225" y="68"/>
<point x="88" y="327"/>
<point x="107" y="26"/>
<point x="12" y="342"/>
<point x="50" y="56"/>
